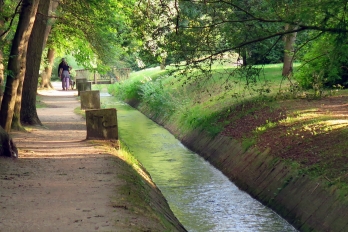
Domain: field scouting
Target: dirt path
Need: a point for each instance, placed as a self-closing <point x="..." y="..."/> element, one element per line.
<point x="62" y="182"/>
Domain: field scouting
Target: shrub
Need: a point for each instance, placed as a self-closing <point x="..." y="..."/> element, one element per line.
<point x="325" y="64"/>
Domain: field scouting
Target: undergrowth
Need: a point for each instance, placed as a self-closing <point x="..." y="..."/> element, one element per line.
<point x="195" y="99"/>
<point x="213" y="100"/>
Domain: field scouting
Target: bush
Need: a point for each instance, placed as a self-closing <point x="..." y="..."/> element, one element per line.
<point x="324" y="64"/>
<point x="127" y="90"/>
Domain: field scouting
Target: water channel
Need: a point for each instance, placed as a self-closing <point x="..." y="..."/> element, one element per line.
<point x="200" y="196"/>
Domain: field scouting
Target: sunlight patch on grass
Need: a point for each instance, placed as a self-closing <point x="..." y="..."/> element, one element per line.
<point x="325" y="126"/>
<point x="265" y="127"/>
<point x="78" y="111"/>
<point x="313" y="122"/>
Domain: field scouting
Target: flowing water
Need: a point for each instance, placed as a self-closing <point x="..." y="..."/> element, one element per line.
<point x="200" y="196"/>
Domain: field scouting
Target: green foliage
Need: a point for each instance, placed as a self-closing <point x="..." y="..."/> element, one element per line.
<point x="261" y="129"/>
<point x="127" y="90"/>
<point x="324" y="64"/>
<point x="203" y="32"/>
<point x="247" y="143"/>
<point x="198" y="117"/>
<point x="97" y="34"/>
<point x="261" y="53"/>
<point x="157" y="98"/>
<point x="194" y="101"/>
<point x="70" y="60"/>
<point x="8" y="20"/>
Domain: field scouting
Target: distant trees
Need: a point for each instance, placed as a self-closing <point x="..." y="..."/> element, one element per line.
<point x="199" y="31"/>
<point x="95" y="32"/>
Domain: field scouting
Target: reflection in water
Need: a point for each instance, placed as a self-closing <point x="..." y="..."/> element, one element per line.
<point x="200" y="196"/>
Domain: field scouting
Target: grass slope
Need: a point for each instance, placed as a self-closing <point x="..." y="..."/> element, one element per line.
<point x="256" y="107"/>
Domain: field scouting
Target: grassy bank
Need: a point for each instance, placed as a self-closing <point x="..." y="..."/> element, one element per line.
<point x="140" y="194"/>
<point x="257" y="108"/>
<point x="226" y="102"/>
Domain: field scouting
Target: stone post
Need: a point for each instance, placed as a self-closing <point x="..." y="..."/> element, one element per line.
<point x="90" y="99"/>
<point x="83" y="86"/>
<point x="102" y="124"/>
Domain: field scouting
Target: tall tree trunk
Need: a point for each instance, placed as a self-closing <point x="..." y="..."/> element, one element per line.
<point x="17" y="61"/>
<point x="289" y="41"/>
<point x="26" y="111"/>
<point x="46" y="75"/>
<point x="52" y="9"/>
<point x="2" y="79"/>
<point x="244" y="56"/>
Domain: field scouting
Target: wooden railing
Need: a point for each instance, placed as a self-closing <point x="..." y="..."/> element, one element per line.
<point x="116" y="75"/>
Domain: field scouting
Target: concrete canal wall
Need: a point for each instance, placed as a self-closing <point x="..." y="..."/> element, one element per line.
<point x="308" y="204"/>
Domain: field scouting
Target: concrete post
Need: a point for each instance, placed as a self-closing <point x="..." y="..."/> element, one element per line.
<point x="102" y="124"/>
<point x="83" y="86"/>
<point x="90" y="99"/>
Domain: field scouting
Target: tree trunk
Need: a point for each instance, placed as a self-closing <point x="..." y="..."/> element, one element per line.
<point x="17" y="61"/>
<point x="244" y="56"/>
<point x="289" y="41"/>
<point x="2" y="80"/>
<point x="26" y="110"/>
<point x="46" y="75"/>
<point x="7" y="146"/>
<point x="163" y="64"/>
<point x="52" y="9"/>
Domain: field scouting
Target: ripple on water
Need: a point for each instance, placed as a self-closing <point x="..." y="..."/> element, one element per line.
<point x="200" y="196"/>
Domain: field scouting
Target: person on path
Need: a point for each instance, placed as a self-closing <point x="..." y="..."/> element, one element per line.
<point x="64" y="74"/>
<point x="59" y="74"/>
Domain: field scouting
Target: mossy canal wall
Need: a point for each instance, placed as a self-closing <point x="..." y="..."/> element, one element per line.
<point x="308" y="204"/>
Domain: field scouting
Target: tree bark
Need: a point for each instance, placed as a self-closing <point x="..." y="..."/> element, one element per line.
<point x="26" y="110"/>
<point x="52" y="9"/>
<point x="7" y="146"/>
<point x="46" y="75"/>
<point x="2" y="79"/>
<point x="17" y="61"/>
<point x="289" y="41"/>
<point x="244" y="56"/>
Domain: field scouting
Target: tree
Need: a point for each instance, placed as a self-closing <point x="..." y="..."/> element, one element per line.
<point x="97" y="36"/>
<point x="17" y="61"/>
<point x="95" y="31"/>
<point x="46" y="74"/>
<point x="7" y="18"/>
<point x="289" y="41"/>
<point x="26" y="112"/>
<point x="78" y="30"/>
<point x="202" y="31"/>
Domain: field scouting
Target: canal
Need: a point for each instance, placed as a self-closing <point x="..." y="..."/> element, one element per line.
<point x="200" y="196"/>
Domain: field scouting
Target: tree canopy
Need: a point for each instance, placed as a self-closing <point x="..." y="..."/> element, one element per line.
<point x="100" y="34"/>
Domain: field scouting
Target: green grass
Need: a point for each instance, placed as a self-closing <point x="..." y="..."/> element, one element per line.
<point x="194" y="98"/>
<point x="39" y="103"/>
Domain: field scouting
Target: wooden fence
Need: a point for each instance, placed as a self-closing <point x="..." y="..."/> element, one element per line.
<point x="115" y="75"/>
